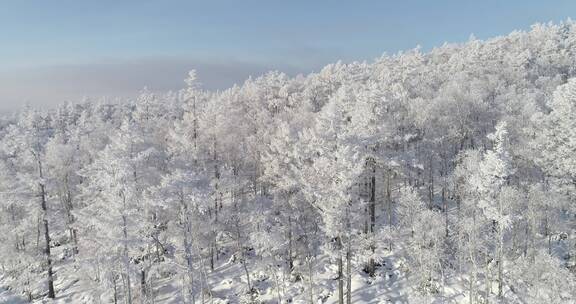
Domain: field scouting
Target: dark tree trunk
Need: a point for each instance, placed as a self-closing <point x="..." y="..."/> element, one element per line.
<point x="143" y="282"/>
<point x="212" y="257"/>
<point x="340" y="281"/>
<point x="349" y="274"/>
<point x="340" y="277"/>
<point x="115" y="289"/>
<point x="51" y="293"/>
<point x="372" y="209"/>
<point x="389" y="203"/>
<point x="431" y="185"/>
<point x="290" y="257"/>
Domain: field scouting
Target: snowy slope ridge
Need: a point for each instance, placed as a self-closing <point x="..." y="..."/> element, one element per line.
<point x="439" y="177"/>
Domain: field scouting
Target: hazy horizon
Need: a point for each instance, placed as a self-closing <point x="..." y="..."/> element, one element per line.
<point x="71" y="50"/>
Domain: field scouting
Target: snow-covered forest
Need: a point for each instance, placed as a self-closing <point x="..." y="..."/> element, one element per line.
<point x="446" y="176"/>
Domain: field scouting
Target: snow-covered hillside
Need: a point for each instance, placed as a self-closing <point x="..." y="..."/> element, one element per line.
<point x="439" y="177"/>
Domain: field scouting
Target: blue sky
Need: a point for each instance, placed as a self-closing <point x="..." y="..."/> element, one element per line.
<point x="57" y="50"/>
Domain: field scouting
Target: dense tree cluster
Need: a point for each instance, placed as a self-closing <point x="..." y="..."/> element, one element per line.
<point x="460" y="162"/>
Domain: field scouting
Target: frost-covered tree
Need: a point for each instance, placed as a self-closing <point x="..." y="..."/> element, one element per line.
<point x="26" y="144"/>
<point x="115" y="209"/>
<point x="410" y="205"/>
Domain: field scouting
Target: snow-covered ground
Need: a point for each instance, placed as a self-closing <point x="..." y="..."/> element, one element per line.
<point x="228" y="285"/>
<point x="8" y="297"/>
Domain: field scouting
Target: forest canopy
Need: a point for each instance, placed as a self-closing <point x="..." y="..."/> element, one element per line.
<point x="447" y="175"/>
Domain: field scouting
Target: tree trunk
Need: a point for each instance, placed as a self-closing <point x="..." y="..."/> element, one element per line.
<point x="128" y="296"/>
<point x="349" y="274"/>
<point x="245" y="266"/>
<point x="51" y="293"/>
<point x="212" y="257"/>
<point x="472" y="251"/>
<point x="487" y="278"/>
<point x="70" y="217"/>
<point x="272" y="269"/>
<point x="74" y="240"/>
<point x="527" y="237"/>
<point x="115" y="289"/>
<point x="431" y="185"/>
<point x="38" y="234"/>
<point x="445" y="209"/>
<point x="243" y="258"/>
<point x="371" y="264"/>
<point x="290" y="258"/>
<point x="311" y="280"/>
<point x="444" y="173"/>
<point x="143" y="283"/>
<point x="471" y="289"/>
<point x="214" y="249"/>
<point x="500" y="250"/>
<point x="500" y="262"/>
<point x="340" y="280"/>
<point x="187" y="243"/>
<point x="389" y="203"/>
